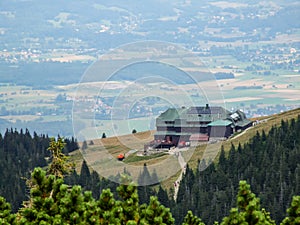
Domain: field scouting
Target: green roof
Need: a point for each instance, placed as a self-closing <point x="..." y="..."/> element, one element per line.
<point x="194" y="114"/>
<point x="193" y="118"/>
<point x="243" y="123"/>
<point x="169" y="115"/>
<point x="201" y="117"/>
<point x="220" y="123"/>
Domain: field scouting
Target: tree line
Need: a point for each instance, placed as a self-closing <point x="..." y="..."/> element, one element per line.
<point x="20" y="153"/>
<point x="54" y="202"/>
<point x="268" y="162"/>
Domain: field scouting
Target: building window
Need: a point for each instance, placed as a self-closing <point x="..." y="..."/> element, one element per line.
<point x="169" y="122"/>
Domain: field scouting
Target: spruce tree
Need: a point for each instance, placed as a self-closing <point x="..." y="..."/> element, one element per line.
<point x="59" y="165"/>
<point x="85" y="176"/>
<point x="248" y="211"/>
<point x="6" y="217"/>
<point x="130" y="201"/>
<point x="156" y="214"/>
<point x="293" y="217"/>
<point x="190" y="219"/>
<point x="84" y="145"/>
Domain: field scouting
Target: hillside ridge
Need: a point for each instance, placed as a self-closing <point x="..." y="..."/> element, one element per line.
<point x="115" y="145"/>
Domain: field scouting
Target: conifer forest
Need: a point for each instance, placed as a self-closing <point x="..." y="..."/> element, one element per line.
<point x="255" y="183"/>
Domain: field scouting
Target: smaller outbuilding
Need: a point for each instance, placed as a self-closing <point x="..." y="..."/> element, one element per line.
<point x="220" y="128"/>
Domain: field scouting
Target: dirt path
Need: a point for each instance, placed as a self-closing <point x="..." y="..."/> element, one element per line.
<point x="182" y="164"/>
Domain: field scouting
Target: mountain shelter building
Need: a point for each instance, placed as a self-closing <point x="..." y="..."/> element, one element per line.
<point x="198" y="124"/>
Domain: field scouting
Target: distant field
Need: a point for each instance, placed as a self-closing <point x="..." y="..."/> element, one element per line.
<point x="225" y="4"/>
<point x="70" y="58"/>
<point x="275" y="90"/>
<point x="19" y="117"/>
<point x="281" y="87"/>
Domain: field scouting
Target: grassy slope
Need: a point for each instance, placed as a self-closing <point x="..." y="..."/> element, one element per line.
<point x="114" y="146"/>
